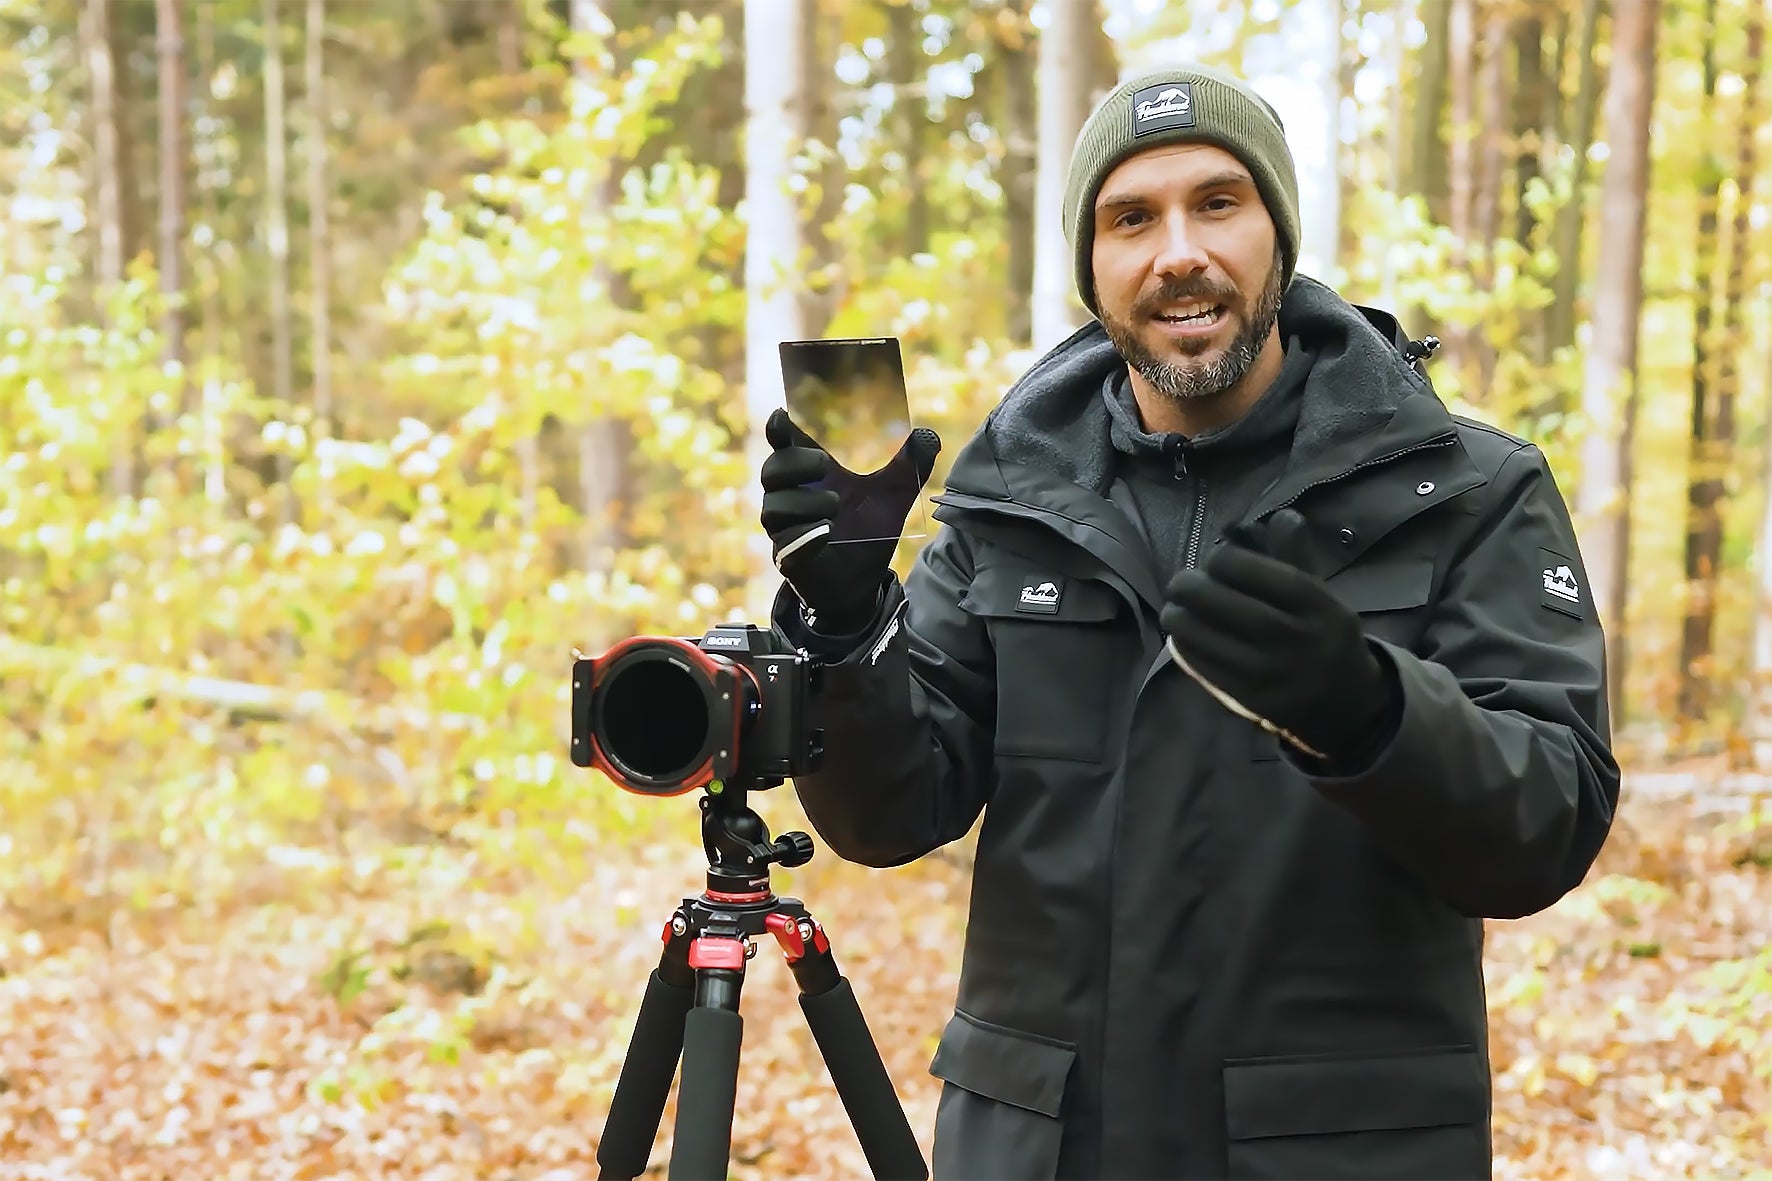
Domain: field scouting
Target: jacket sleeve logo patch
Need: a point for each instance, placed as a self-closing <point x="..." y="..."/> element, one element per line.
<point x="1561" y="589"/>
<point x="1040" y="598"/>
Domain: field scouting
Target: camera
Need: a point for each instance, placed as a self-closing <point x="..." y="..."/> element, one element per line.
<point x="665" y="715"/>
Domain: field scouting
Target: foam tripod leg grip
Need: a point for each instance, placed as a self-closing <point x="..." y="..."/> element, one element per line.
<point x="645" y="1081"/>
<point x="702" y="1145"/>
<point x="862" y="1083"/>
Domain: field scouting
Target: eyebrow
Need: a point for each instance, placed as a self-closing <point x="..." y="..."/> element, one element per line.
<point x="1229" y="178"/>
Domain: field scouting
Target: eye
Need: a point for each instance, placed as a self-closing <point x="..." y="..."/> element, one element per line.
<point x="1130" y="218"/>
<point x="1220" y="204"/>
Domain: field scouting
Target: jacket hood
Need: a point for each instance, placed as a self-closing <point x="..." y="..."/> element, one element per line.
<point x="1054" y="419"/>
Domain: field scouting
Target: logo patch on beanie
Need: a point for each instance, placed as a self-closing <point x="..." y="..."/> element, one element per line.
<point x="1163" y="106"/>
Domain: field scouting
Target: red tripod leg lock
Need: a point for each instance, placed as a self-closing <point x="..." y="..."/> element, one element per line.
<point x="787" y="933"/>
<point x="716" y="951"/>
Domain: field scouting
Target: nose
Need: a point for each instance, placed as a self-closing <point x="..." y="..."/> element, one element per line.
<point x="1180" y="251"/>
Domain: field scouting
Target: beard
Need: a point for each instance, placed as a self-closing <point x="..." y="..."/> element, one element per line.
<point x="1185" y="374"/>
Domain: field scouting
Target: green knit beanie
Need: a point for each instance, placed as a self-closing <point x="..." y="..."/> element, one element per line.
<point x="1189" y="104"/>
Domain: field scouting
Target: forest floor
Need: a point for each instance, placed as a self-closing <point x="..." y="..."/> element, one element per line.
<point x="424" y="1016"/>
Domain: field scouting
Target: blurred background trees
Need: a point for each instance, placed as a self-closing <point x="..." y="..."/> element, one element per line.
<point x="384" y="351"/>
<point x="359" y="360"/>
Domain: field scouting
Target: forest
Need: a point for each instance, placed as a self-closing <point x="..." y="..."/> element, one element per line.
<point x="362" y="361"/>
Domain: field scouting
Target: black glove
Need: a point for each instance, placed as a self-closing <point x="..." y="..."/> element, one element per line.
<point x="840" y="585"/>
<point x="1274" y="645"/>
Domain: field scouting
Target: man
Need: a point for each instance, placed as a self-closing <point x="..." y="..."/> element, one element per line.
<point x="1270" y="678"/>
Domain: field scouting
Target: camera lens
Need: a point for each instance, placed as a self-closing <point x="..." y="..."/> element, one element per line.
<point x="655" y="719"/>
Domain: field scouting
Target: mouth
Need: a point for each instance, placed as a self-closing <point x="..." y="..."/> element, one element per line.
<point x="1190" y="318"/>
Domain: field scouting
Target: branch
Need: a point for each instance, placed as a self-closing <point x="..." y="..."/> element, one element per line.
<point x="257" y="702"/>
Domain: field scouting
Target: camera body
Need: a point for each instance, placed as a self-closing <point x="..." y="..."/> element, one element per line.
<point x="667" y="715"/>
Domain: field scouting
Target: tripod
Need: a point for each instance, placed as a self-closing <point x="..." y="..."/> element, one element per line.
<point x="690" y="1010"/>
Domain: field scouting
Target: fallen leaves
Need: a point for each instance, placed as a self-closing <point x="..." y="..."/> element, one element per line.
<point x="429" y="1024"/>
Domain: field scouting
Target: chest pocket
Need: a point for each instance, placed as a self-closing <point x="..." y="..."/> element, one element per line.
<point x="1391" y="599"/>
<point x="1390" y="596"/>
<point x="1059" y="651"/>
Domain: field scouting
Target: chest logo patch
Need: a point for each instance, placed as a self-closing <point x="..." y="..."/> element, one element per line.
<point x="1040" y="597"/>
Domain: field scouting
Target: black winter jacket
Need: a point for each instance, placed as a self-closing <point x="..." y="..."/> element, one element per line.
<point x="1187" y="957"/>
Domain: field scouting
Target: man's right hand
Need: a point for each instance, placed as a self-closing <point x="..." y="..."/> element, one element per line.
<point x="840" y="584"/>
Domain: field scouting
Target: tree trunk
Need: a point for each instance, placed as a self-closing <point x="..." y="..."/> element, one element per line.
<point x="1736" y="342"/>
<point x="1492" y="122"/>
<point x="319" y="232"/>
<point x="107" y="177"/>
<point x="1101" y="60"/>
<point x="1609" y="387"/>
<point x="1019" y="66"/>
<point x="908" y="68"/>
<point x="170" y="44"/>
<point x="1320" y="228"/>
<point x="215" y="457"/>
<point x="510" y="36"/>
<point x="277" y="227"/>
<point x="1462" y="50"/>
<point x="824" y="287"/>
<point x="1561" y="317"/>
<point x="1396" y="141"/>
<point x="1489" y="138"/>
<point x="131" y="212"/>
<point x="604" y="445"/>
<point x="526" y="447"/>
<point x="775" y="45"/>
<point x="1063" y="69"/>
<point x="1703" y="481"/>
<point x="717" y="139"/>
<point x="1348" y="156"/>
<point x="1531" y="112"/>
<point x="1429" y="175"/>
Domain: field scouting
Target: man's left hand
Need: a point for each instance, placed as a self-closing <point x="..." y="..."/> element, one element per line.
<point x="1273" y="644"/>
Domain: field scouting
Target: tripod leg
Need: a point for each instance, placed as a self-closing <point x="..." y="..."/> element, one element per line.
<point x="849" y="1051"/>
<point x="651" y="1063"/>
<point x="712" y="1034"/>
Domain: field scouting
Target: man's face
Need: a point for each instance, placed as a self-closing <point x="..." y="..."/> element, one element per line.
<point x="1187" y="268"/>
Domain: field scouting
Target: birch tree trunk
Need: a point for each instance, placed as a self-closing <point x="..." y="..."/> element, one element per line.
<point x="775" y="46"/>
<point x="1609" y="386"/>
<point x="107" y="182"/>
<point x="1062" y="72"/>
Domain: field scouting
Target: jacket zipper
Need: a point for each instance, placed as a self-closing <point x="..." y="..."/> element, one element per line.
<point x="1197" y="524"/>
<point x="1198" y="528"/>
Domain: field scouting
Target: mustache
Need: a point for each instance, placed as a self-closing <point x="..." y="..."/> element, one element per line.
<point x="1177" y="290"/>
